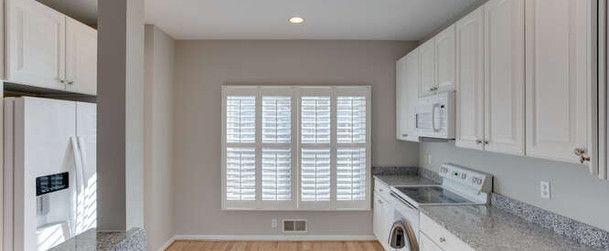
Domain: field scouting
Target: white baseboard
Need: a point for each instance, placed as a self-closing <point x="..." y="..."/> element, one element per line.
<point x="277" y="237"/>
<point x="167" y="243"/>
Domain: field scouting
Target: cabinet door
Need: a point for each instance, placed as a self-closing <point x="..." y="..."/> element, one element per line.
<point x="81" y="58"/>
<point x="444" y="44"/>
<point x="427" y="244"/>
<point x="470" y="81"/>
<point x="407" y="87"/>
<point x="559" y="70"/>
<point x="427" y="56"/>
<point x="504" y="76"/>
<point x="377" y="218"/>
<point x="35" y="44"/>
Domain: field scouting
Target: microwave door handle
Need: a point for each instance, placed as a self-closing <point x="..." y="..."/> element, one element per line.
<point x="433" y="117"/>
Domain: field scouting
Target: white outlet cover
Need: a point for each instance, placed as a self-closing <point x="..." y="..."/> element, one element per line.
<point x="274" y="223"/>
<point x="429" y="158"/>
<point x="545" y="190"/>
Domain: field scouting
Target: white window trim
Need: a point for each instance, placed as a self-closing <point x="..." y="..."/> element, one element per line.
<point x="296" y="92"/>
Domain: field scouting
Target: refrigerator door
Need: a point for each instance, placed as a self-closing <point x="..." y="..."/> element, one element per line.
<point x="42" y="146"/>
<point x="86" y="125"/>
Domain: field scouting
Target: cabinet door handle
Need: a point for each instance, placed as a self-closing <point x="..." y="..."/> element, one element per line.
<point x="581" y="153"/>
<point x="442" y="239"/>
<point x="478" y="141"/>
<point x="70" y="82"/>
<point x="485" y="142"/>
<point x="405" y="135"/>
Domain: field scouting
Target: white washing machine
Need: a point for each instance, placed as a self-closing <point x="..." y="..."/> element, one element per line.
<point x="404" y="232"/>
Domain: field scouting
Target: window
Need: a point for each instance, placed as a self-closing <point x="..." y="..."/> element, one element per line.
<point x="296" y="148"/>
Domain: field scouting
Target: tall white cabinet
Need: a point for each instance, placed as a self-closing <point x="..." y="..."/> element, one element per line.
<point x="47" y="49"/>
<point x="470" y="81"/>
<point x="490" y="78"/>
<point x="407" y="93"/>
<point x="560" y="95"/>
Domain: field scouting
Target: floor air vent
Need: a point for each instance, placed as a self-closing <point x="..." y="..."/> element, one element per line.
<point x="294" y="226"/>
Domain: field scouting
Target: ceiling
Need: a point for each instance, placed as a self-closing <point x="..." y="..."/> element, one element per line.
<point x="82" y="10"/>
<point x="324" y="19"/>
<point x="268" y="19"/>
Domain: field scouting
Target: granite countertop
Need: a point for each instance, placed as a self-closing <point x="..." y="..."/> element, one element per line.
<point x="132" y="240"/>
<point x="488" y="228"/>
<point x="405" y="180"/>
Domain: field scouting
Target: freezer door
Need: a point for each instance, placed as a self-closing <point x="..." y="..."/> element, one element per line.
<point x="86" y="133"/>
<point x="43" y="129"/>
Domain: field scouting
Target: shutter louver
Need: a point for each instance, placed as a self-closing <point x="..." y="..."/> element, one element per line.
<point x="351" y="173"/>
<point x="240" y="119"/>
<point x="351" y="119"/>
<point x="276" y="174"/>
<point x="315" y="175"/>
<point x="315" y="117"/>
<point x="240" y="173"/>
<point x="276" y="119"/>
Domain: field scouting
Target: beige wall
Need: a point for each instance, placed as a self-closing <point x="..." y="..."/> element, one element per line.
<point x="201" y="69"/>
<point x="575" y="193"/>
<point x="158" y="137"/>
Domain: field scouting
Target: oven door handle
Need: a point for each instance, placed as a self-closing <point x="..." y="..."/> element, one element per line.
<point x="394" y="195"/>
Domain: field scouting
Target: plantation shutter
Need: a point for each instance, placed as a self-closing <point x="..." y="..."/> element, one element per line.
<point x="296" y="147"/>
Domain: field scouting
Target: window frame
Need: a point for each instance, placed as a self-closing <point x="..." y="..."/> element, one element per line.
<point x="296" y="146"/>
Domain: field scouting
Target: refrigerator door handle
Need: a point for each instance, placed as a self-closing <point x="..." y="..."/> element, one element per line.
<point x="77" y="164"/>
<point x="83" y="160"/>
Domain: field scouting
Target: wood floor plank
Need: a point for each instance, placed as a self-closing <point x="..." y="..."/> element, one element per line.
<point x="194" y="245"/>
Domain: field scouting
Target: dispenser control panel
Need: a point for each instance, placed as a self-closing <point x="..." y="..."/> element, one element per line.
<point x="52" y="183"/>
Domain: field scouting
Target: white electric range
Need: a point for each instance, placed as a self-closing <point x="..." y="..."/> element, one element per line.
<point x="460" y="186"/>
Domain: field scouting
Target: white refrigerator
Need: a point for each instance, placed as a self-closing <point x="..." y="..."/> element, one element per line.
<point x="50" y="177"/>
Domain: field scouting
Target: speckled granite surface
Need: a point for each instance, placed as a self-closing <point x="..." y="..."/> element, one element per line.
<point x="572" y="229"/>
<point x="394" y="170"/>
<point x="132" y="240"/>
<point x="490" y="228"/>
<point x="398" y="180"/>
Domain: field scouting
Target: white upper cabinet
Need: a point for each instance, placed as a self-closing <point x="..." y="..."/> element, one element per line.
<point x="560" y="73"/>
<point x="407" y="87"/>
<point x="437" y="62"/>
<point x="470" y="81"/>
<point x="427" y="58"/>
<point x="81" y="54"/>
<point x="35" y="36"/>
<point x="444" y="44"/>
<point x="490" y="78"/>
<point x="47" y="49"/>
<point x="504" y="76"/>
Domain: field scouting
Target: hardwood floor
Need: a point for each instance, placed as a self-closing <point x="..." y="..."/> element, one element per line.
<point x="275" y="245"/>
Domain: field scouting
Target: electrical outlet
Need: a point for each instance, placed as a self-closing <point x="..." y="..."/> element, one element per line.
<point x="429" y="159"/>
<point x="544" y="188"/>
<point x="274" y="223"/>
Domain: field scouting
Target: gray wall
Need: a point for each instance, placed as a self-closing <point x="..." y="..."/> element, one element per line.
<point x="201" y="69"/>
<point x="158" y="137"/>
<point x="120" y="115"/>
<point x="575" y="193"/>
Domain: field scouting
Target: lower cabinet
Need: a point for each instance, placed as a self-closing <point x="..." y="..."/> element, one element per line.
<point x="426" y="244"/>
<point x="382" y="220"/>
<point x="434" y="237"/>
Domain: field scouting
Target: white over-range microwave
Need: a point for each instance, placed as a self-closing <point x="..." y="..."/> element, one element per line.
<point x="435" y="116"/>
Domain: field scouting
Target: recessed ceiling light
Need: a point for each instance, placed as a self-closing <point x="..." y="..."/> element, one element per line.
<point x="296" y="20"/>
